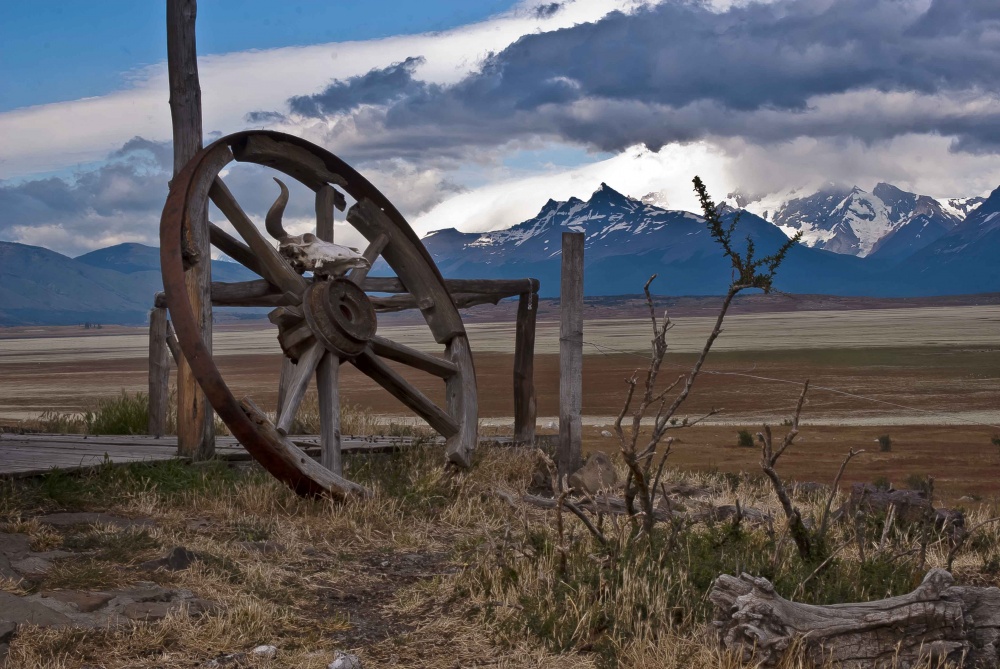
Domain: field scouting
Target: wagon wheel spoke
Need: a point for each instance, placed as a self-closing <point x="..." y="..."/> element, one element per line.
<point x="234" y="248"/>
<point x="327" y="379"/>
<point x="374" y="368"/>
<point x="390" y="350"/>
<point x="371" y="254"/>
<point x="274" y="268"/>
<point x="297" y="386"/>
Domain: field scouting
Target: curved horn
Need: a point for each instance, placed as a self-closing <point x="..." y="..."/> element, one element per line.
<point x="272" y="222"/>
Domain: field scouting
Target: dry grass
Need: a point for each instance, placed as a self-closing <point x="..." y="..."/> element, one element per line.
<point x="433" y="571"/>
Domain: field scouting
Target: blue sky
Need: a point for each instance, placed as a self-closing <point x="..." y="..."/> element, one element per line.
<point x="55" y="50"/>
<point x="474" y="114"/>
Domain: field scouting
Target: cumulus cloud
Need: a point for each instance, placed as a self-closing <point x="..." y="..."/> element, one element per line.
<point x="121" y="199"/>
<point x="682" y="71"/>
<point x="377" y="87"/>
<point x="60" y="135"/>
<point x="117" y="201"/>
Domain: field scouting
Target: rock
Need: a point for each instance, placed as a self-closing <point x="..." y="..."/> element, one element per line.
<point x="85" y="602"/>
<point x="177" y="559"/>
<point x="809" y="488"/>
<point x="12" y="547"/>
<point x="541" y="480"/>
<point x="7" y="629"/>
<point x="147" y="611"/>
<point x="91" y="518"/>
<point x="4" y="649"/>
<point x="265" y="651"/>
<point x="606" y="433"/>
<point x="17" y="610"/>
<point x="344" y="661"/>
<point x="154" y="611"/>
<point x="597" y="474"/>
<point x="32" y="568"/>
<point x="145" y="592"/>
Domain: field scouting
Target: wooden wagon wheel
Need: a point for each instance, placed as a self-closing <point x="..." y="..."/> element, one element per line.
<point x="323" y="320"/>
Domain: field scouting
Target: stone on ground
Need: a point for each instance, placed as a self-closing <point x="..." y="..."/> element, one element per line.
<point x="597" y="474"/>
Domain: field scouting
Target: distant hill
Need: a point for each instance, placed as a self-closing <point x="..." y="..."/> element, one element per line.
<point x="927" y="252"/>
<point x="111" y="285"/>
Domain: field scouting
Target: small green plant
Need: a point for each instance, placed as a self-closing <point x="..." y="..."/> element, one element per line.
<point x="884" y="443"/>
<point x="744" y="439"/>
<point x="882" y="483"/>
<point x="918" y="482"/>
<point x="124" y="414"/>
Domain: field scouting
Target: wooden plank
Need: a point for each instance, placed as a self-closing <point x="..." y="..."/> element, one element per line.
<point x="257" y="293"/>
<point x="460" y="300"/>
<point x="506" y="287"/>
<point x="525" y="406"/>
<point x="390" y="350"/>
<point x="568" y="456"/>
<point x="36" y="454"/>
<point x="195" y="426"/>
<point x="158" y="373"/>
<point x="329" y="412"/>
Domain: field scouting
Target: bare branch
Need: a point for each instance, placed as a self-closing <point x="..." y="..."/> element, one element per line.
<point x="833" y="491"/>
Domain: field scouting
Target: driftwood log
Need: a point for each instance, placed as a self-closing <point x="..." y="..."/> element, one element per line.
<point x="936" y="623"/>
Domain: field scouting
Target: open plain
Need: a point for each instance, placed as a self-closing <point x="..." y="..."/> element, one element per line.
<point x="928" y="376"/>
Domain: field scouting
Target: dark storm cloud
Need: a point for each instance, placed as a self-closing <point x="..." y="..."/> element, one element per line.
<point x="377" y="87"/>
<point x="545" y="11"/>
<point x="680" y="71"/>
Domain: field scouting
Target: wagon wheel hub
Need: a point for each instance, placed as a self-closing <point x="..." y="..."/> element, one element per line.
<point x="340" y="316"/>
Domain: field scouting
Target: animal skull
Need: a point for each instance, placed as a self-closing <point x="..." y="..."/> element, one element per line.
<point x="309" y="253"/>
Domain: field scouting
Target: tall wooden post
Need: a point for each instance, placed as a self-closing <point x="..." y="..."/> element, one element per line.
<point x="195" y="431"/>
<point x="159" y="372"/>
<point x="327" y="374"/>
<point x="525" y="408"/>
<point x="570" y="354"/>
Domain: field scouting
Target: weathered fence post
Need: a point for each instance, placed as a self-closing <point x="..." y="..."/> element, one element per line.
<point x="570" y="354"/>
<point x="328" y="372"/>
<point x="525" y="408"/>
<point x="159" y="372"/>
<point x="195" y="429"/>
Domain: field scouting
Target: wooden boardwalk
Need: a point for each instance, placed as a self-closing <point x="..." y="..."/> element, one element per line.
<point x="32" y="454"/>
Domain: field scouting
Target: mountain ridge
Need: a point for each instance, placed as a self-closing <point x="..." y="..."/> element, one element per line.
<point x="627" y="240"/>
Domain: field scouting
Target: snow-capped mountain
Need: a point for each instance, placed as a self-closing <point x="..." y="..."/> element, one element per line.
<point x="610" y="220"/>
<point x="924" y="252"/>
<point x="888" y="221"/>
<point x="627" y="240"/>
